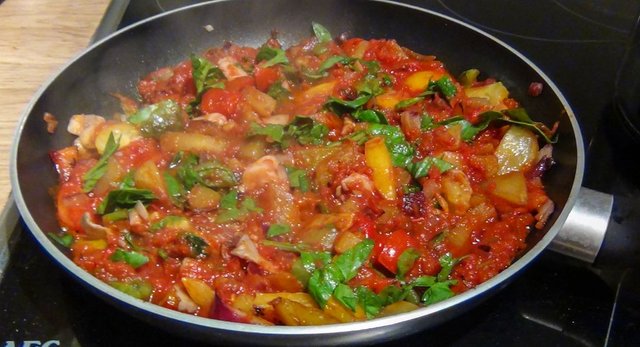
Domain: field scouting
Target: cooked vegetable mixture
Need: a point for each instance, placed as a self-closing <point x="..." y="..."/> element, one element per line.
<point x="334" y="181"/>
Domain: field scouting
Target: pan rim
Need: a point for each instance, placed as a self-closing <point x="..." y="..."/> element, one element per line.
<point x="486" y="287"/>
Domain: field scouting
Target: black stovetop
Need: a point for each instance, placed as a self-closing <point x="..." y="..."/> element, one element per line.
<point x="556" y="301"/>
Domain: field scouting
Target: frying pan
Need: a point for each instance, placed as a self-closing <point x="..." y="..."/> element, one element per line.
<point x="115" y="63"/>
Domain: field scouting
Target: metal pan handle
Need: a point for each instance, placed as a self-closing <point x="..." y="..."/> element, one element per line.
<point x="584" y="232"/>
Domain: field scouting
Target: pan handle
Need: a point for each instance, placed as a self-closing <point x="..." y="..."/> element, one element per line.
<point x="583" y="233"/>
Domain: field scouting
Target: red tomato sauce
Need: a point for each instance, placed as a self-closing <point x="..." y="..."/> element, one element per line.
<point x="332" y="181"/>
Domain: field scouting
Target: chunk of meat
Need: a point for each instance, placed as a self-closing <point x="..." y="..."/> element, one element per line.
<point x="247" y="250"/>
<point x="92" y="230"/>
<point x="230" y="68"/>
<point x="357" y="183"/>
<point x="85" y="126"/>
<point x="52" y="122"/>
<point x="264" y="171"/>
<point x="457" y="190"/>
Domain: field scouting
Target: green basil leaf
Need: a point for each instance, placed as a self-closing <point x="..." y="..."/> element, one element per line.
<point x="408" y="102"/>
<point x="333" y="60"/>
<point x="350" y="261"/>
<point x="128" y="237"/>
<point x="154" y="120"/>
<point x="249" y="205"/>
<point x="423" y="281"/>
<point x="345" y="295"/>
<point x="124" y="198"/>
<point x="447" y="261"/>
<point x="271" y="56"/>
<point x="359" y="137"/>
<point x="519" y="116"/>
<point x="446" y="86"/>
<point x="278" y="229"/>
<point x="322" y="284"/>
<point x="197" y="244"/>
<point x="426" y="122"/>
<point x="274" y="132"/>
<point x="322" y="34"/>
<point x="229" y="200"/>
<point x="205" y="75"/>
<point x="174" y="189"/>
<point x="91" y="177"/>
<point x="344" y="267"/>
<point x="128" y="181"/>
<point x="132" y="258"/>
<point x="400" y="150"/>
<point x="421" y="168"/>
<point x="370" y="116"/>
<point x="307" y="131"/>
<point x="326" y="65"/>
<point x="169" y="221"/>
<point x="340" y="107"/>
<point x="371" y="302"/>
<point x="315" y="260"/>
<point x="391" y="294"/>
<point x="215" y="175"/>
<point x="286" y="246"/>
<point x="298" y="179"/>
<point x="116" y="215"/>
<point x="307" y="263"/>
<point x="231" y="212"/>
<point x="406" y="260"/>
<point x="277" y="91"/>
<point x="438" y="291"/>
<point x="65" y="240"/>
<point x="139" y="289"/>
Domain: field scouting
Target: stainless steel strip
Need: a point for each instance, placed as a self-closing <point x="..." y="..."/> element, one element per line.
<point x="110" y="21"/>
<point x="8" y="221"/>
<point x="583" y="233"/>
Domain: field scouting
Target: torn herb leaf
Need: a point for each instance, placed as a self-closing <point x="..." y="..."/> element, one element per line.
<point x="278" y="229"/>
<point x="421" y="168"/>
<point x="132" y="258"/>
<point x="370" y="116"/>
<point x="322" y="34"/>
<point x="229" y="210"/>
<point x="344" y="267"/>
<point x="298" y="179"/>
<point x="197" y="244"/>
<point x="205" y="75"/>
<point x="270" y="56"/>
<point x="406" y="260"/>
<point x="65" y="240"/>
<point x="155" y="119"/>
<point x="91" y="177"/>
<point x="124" y="198"/>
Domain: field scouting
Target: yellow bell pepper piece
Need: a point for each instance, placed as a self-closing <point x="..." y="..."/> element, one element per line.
<point x="387" y="101"/>
<point x="199" y="291"/>
<point x="295" y="313"/>
<point x="322" y="89"/>
<point x="336" y="310"/>
<point x="378" y="159"/>
<point x="418" y="81"/>
<point x="495" y="93"/>
<point x="511" y="187"/>
<point x="305" y="299"/>
<point x="98" y="244"/>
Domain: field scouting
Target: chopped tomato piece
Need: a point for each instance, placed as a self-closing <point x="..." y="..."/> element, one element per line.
<point x="220" y="101"/>
<point x="391" y="247"/>
<point x="265" y="77"/>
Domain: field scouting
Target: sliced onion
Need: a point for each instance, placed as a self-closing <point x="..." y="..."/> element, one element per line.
<point x="92" y="230"/>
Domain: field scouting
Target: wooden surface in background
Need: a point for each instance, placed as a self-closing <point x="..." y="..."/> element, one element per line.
<point x="37" y="37"/>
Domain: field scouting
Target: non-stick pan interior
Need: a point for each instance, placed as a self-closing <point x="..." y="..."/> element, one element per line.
<point x="115" y="64"/>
